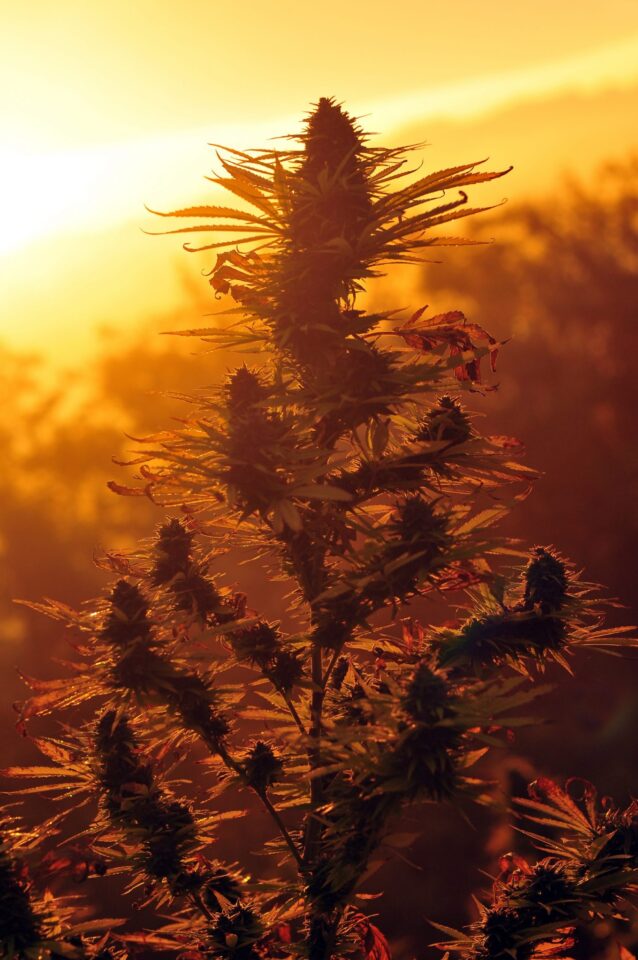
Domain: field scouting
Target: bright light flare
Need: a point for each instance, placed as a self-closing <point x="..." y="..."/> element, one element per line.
<point x="41" y="194"/>
<point x="79" y="191"/>
<point x="88" y="189"/>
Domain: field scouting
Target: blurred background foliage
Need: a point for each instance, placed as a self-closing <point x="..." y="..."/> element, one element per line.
<point x="562" y="281"/>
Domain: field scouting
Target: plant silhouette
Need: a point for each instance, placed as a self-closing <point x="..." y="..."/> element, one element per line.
<point x="339" y="457"/>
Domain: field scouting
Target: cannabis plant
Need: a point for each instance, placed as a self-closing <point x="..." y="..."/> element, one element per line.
<point x="338" y="458"/>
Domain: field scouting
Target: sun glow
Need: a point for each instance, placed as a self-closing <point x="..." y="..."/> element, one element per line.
<point x="41" y="194"/>
<point x="80" y="191"/>
<point x="104" y="121"/>
<point x="44" y="193"/>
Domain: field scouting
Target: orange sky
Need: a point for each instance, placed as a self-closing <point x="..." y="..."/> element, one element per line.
<point x="74" y="73"/>
<point x="106" y="106"/>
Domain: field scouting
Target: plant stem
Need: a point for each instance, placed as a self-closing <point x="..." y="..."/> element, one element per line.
<point x="313" y="827"/>
<point x="331" y="667"/>
<point x="236" y="767"/>
<point x="197" y="901"/>
<point x="293" y="713"/>
<point x="282" y="827"/>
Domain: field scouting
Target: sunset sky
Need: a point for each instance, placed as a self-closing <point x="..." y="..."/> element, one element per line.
<point x="106" y="107"/>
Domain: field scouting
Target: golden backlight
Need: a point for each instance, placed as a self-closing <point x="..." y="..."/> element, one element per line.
<point x="110" y="107"/>
<point x="332" y="442"/>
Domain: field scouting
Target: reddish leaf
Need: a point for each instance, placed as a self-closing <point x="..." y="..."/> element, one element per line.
<point x="283" y="932"/>
<point x="545" y="789"/>
<point x="374" y="944"/>
<point x="412" y="632"/>
<point x="510" y="864"/>
<point x="451" y="330"/>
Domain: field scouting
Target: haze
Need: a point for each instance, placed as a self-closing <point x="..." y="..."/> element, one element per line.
<point x="107" y="108"/>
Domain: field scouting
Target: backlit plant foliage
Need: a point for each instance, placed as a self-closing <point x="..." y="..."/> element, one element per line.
<point x="340" y="457"/>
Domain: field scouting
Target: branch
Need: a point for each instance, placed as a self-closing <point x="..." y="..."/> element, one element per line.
<point x="331" y="666"/>
<point x="313" y="827"/>
<point x="238" y="769"/>
<point x="293" y="712"/>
